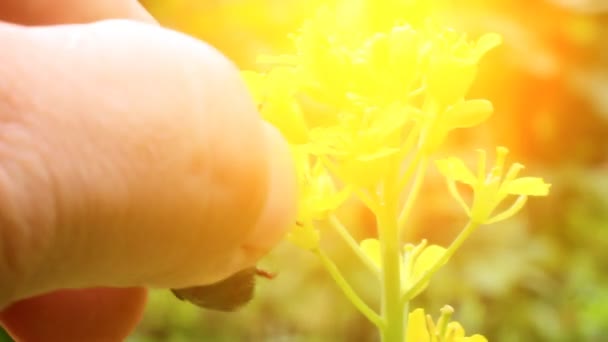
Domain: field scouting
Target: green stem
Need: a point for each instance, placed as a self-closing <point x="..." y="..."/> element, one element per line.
<point x="413" y="194"/>
<point x="392" y="307"/>
<point x="464" y="234"/>
<point x="406" y="310"/>
<point x="409" y="171"/>
<point x="350" y="241"/>
<point x="350" y="293"/>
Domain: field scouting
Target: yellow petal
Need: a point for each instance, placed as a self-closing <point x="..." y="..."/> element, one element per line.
<point x="320" y="196"/>
<point x="454" y="169"/>
<point x="304" y="236"/>
<point x="530" y="186"/>
<point x="286" y="115"/>
<point x="455" y="331"/>
<point x="449" y="79"/>
<point x="475" y="338"/>
<point x="256" y="83"/>
<point x="416" y="327"/>
<point x="371" y="248"/>
<point x="427" y="259"/>
<point x="366" y="173"/>
<point x="486" y="43"/>
<point x="280" y="60"/>
<point x="467" y="114"/>
<point x="323" y="205"/>
<point x="382" y="153"/>
<point x="404" y="46"/>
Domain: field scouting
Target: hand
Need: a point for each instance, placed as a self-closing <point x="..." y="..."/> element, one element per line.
<point x="131" y="156"/>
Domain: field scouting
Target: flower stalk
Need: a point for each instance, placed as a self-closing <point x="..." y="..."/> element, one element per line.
<point x="392" y="308"/>
<point x="348" y="291"/>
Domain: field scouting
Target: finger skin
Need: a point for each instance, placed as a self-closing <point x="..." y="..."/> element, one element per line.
<point x="110" y="314"/>
<point x="280" y="206"/>
<point x="100" y="314"/>
<point x="51" y="12"/>
<point x="67" y="315"/>
<point x="130" y="155"/>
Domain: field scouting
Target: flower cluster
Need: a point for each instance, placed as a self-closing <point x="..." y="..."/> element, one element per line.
<point x="371" y="92"/>
<point x="359" y="99"/>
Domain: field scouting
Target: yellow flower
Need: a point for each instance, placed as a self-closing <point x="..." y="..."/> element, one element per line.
<point x="318" y="197"/>
<point x="417" y="330"/>
<point x="422" y="258"/>
<point x="362" y="150"/>
<point x="416" y="260"/>
<point x="274" y="94"/>
<point x="422" y="328"/>
<point x="304" y="235"/>
<point x="371" y="248"/>
<point x="364" y="77"/>
<point x="463" y="114"/>
<point x="239" y="28"/>
<point x="451" y="70"/>
<point x="491" y="189"/>
<point x="452" y="65"/>
<point x="456" y="333"/>
<point x="318" y="193"/>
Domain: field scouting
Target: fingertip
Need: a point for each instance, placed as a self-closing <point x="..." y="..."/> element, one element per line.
<point x="189" y="169"/>
<point x="107" y="314"/>
<point x="279" y="212"/>
<point x="37" y="12"/>
<point x="203" y="171"/>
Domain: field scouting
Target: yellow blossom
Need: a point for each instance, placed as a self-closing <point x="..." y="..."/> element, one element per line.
<point x="416" y="260"/>
<point x="304" y="235"/>
<point x="318" y="198"/>
<point x="422" y="328"/>
<point x="371" y="248"/>
<point x="423" y="258"/>
<point x="451" y="70"/>
<point x="273" y="92"/>
<point x="452" y="65"/>
<point x="417" y="330"/>
<point x="368" y="87"/>
<point x="363" y="77"/>
<point x="491" y="189"/>
<point x="318" y="193"/>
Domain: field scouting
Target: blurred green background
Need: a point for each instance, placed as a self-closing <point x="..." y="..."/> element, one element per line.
<point x="541" y="276"/>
